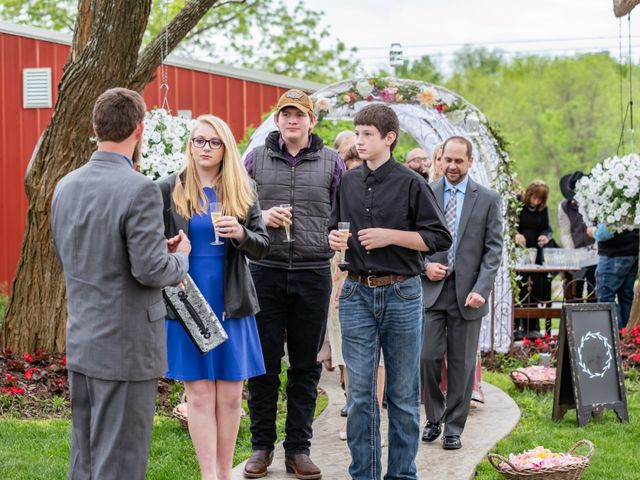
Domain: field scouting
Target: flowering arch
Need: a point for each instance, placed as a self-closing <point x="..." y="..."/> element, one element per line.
<point x="431" y="114"/>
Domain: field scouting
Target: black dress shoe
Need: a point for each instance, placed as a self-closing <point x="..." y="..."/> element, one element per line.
<point x="431" y="432"/>
<point x="451" y="442"/>
<point x="343" y="411"/>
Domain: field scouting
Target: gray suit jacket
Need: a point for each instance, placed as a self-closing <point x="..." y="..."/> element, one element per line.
<point x="108" y="232"/>
<point x="478" y="248"/>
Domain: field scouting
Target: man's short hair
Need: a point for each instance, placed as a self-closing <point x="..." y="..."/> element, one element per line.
<point x="352" y="154"/>
<point x="380" y="116"/>
<point x="117" y="113"/>
<point x="462" y="140"/>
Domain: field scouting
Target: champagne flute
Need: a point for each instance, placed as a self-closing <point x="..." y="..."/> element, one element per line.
<point x="287" y="224"/>
<point x="343" y="228"/>
<point x="215" y="208"/>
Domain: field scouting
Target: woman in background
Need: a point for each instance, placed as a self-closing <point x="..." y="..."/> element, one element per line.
<point x="436" y="172"/>
<point x="534" y="231"/>
<point x="213" y="173"/>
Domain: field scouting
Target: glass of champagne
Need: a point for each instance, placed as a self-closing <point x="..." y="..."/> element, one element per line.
<point x="343" y="228"/>
<point x="287" y="225"/>
<point x="215" y="209"/>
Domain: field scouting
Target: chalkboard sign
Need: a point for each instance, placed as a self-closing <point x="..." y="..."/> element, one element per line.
<point x="589" y="374"/>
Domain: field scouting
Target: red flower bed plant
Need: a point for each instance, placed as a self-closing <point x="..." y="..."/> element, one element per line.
<point x="34" y="385"/>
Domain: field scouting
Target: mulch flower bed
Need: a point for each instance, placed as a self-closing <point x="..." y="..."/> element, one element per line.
<point x="34" y="385"/>
<point x="531" y="348"/>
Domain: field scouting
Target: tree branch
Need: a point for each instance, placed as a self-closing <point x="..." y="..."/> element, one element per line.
<point x="81" y="29"/>
<point x="152" y="56"/>
<point x="622" y="7"/>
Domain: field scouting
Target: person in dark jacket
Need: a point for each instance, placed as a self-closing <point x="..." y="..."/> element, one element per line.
<point x="213" y="179"/>
<point x="575" y="234"/>
<point x="617" y="268"/>
<point x="534" y="231"/>
<point x="297" y="178"/>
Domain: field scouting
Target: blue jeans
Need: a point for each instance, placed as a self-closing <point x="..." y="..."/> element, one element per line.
<point x="390" y="318"/>
<point x="616" y="276"/>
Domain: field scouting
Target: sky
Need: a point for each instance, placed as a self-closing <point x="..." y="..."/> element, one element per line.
<point x="439" y="27"/>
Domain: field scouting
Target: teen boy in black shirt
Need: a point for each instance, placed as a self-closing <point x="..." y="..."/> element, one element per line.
<point x="394" y="218"/>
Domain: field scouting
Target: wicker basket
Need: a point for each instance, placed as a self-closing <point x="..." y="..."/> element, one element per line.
<point x="568" y="472"/>
<point x="182" y="418"/>
<point x="538" y="386"/>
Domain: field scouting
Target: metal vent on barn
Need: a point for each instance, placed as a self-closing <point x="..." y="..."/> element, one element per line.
<point x="36" y="88"/>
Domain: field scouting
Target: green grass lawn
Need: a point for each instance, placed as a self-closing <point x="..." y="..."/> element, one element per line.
<point x="616" y="454"/>
<point x="39" y="449"/>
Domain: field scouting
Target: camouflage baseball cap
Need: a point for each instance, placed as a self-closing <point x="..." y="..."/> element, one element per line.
<point x="295" y="98"/>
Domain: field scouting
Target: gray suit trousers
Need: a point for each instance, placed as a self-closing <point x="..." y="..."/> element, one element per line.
<point x="111" y="427"/>
<point x="446" y="331"/>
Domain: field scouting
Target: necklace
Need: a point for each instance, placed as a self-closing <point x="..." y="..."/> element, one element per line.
<point x="532" y="209"/>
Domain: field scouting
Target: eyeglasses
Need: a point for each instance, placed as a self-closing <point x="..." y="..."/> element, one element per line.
<point x="214" y="143"/>
<point x="418" y="159"/>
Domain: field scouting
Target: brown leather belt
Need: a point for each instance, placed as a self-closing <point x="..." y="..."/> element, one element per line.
<point x="373" y="281"/>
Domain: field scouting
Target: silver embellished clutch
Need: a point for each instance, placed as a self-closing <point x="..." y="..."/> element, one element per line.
<point x="189" y="306"/>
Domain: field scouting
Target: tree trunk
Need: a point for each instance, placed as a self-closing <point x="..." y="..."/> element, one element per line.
<point x="104" y="54"/>
<point x="634" y="316"/>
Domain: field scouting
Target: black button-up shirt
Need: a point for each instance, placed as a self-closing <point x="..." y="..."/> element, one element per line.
<point x="392" y="197"/>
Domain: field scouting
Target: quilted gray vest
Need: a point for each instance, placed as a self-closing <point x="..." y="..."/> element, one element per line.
<point x="307" y="188"/>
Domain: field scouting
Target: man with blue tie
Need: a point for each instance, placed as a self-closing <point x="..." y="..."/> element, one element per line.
<point x="455" y="292"/>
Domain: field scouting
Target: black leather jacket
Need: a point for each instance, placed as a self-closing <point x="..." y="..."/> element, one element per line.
<point x="240" y="299"/>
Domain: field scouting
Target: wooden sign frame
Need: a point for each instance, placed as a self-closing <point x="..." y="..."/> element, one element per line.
<point x="568" y="391"/>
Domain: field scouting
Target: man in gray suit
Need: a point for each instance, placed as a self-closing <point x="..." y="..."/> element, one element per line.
<point x="455" y="291"/>
<point x="108" y="233"/>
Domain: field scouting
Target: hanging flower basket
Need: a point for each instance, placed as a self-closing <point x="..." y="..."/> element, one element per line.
<point x="611" y="193"/>
<point x="164" y="142"/>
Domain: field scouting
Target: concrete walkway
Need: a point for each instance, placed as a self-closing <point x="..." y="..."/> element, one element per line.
<point x="486" y="425"/>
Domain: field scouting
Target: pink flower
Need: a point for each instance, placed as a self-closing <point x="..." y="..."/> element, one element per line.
<point x="388" y="94"/>
<point x="623" y="331"/>
<point x="27" y="357"/>
<point x="635" y="357"/>
<point x="526" y="341"/>
<point x="28" y="374"/>
<point x="16" y="391"/>
<point x="63" y="361"/>
<point x="8" y="376"/>
<point x="441" y="107"/>
<point x="538" y="341"/>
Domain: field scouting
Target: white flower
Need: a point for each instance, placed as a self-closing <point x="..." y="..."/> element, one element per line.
<point x="163" y="143"/>
<point x="611" y="192"/>
<point x="364" y="88"/>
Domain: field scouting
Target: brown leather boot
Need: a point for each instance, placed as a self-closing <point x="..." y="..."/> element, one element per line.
<point x="256" y="466"/>
<point x="301" y="465"/>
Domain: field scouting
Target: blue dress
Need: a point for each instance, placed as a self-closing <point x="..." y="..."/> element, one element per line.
<point x="238" y="358"/>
